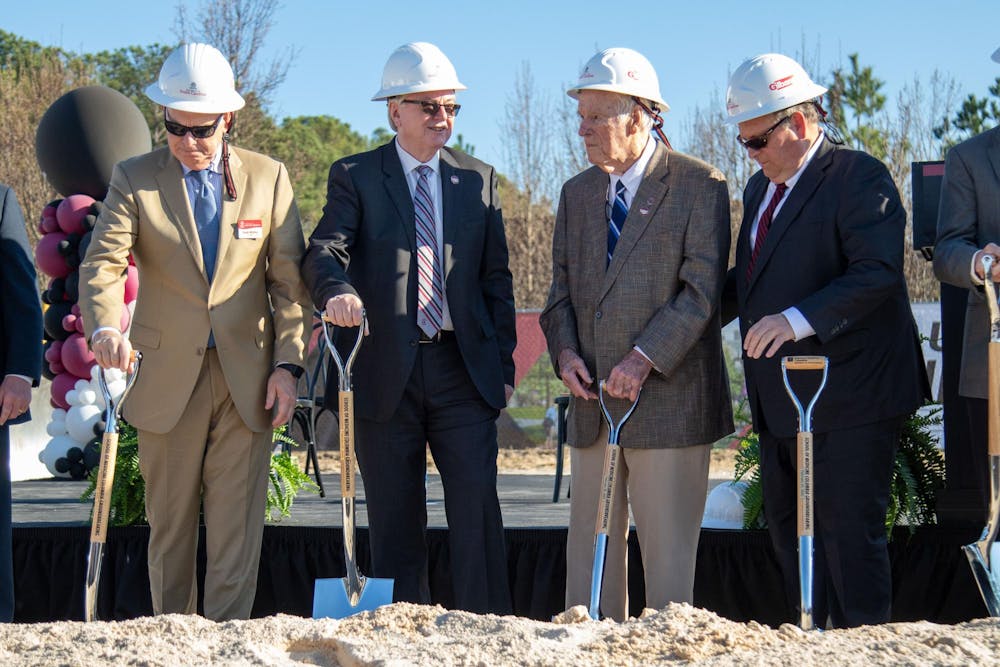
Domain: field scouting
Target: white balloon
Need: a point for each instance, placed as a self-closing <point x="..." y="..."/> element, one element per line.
<point x="87" y="396"/>
<point x="54" y="449"/>
<point x="80" y="422"/>
<point x="71" y="397"/>
<point x="58" y="415"/>
<point x="116" y="388"/>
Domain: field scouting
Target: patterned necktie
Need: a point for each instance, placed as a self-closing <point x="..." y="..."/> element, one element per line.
<point x="206" y="218"/>
<point x="616" y="221"/>
<point x="764" y="225"/>
<point x="429" y="288"/>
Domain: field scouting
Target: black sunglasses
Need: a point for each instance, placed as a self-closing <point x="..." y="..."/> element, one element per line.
<point x="198" y="131"/>
<point x="431" y="108"/>
<point x="758" y="142"/>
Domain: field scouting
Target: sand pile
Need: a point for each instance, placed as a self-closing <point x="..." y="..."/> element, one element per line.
<point x="404" y="634"/>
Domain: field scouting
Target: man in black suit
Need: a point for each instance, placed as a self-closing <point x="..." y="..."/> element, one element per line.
<point x="412" y="233"/>
<point x="21" y="359"/>
<point x="824" y="278"/>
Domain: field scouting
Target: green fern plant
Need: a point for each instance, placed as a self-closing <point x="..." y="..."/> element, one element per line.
<point x="128" y="493"/>
<point x="917" y="476"/>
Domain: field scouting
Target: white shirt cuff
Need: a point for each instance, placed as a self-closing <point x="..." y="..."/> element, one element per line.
<point x="100" y="329"/>
<point x="800" y="325"/>
<point x="23" y="377"/>
<point x="646" y="356"/>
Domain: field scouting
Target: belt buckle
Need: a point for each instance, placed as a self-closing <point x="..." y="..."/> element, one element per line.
<point x="424" y="340"/>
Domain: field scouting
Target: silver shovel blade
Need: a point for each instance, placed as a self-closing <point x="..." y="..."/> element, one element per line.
<point x="332" y="600"/>
<point x="984" y="580"/>
<point x="94" y="559"/>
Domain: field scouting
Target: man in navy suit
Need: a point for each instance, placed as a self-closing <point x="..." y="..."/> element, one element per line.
<point x="21" y="360"/>
<point x="412" y="233"/>
<point x="819" y="271"/>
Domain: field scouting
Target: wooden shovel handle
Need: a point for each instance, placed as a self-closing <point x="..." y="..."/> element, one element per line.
<point x="606" y="502"/>
<point x="993" y="403"/>
<point x="346" y="400"/>
<point x="804" y="446"/>
<point x="102" y="492"/>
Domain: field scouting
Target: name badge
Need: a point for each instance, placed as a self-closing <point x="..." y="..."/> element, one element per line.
<point x="249" y="229"/>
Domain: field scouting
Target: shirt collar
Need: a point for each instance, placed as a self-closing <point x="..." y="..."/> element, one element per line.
<point x="633" y="175"/>
<point x="410" y="163"/>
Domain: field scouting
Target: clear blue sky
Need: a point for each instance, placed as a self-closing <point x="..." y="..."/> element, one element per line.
<point x="693" y="45"/>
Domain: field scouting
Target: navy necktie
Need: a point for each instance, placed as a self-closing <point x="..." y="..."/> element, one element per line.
<point x="206" y="218"/>
<point x="616" y="221"/>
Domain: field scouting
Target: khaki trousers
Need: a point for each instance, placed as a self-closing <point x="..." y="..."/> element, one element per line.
<point x="210" y="460"/>
<point x="666" y="490"/>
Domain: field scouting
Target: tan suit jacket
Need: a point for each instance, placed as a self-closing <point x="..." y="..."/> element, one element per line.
<point x="661" y="293"/>
<point x="255" y="305"/>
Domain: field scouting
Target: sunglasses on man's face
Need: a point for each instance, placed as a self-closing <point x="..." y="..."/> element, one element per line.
<point x="197" y="131"/>
<point x="758" y="142"/>
<point x="431" y="108"/>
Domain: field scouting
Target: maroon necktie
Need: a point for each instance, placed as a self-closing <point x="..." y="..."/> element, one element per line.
<point x="764" y="225"/>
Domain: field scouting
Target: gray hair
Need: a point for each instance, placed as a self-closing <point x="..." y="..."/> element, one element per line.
<point x="624" y="104"/>
<point x="388" y="110"/>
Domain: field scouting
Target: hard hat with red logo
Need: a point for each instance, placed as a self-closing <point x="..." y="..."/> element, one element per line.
<point x="620" y="70"/>
<point x="767" y="83"/>
<point x="417" y="67"/>
<point x="196" y="78"/>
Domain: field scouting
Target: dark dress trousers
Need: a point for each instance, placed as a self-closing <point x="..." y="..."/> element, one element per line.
<point x="20" y="354"/>
<point x="835" y="252"/>
<point x="409" y="394"/>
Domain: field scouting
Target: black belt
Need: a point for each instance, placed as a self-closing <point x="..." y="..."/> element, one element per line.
<point x="442" y="336"/>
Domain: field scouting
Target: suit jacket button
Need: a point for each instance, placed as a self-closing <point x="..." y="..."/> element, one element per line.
<point x="413" y="343"/>
<point x="598" y="315"/>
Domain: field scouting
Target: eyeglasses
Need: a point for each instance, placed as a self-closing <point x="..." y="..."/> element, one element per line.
<point x="431" y="108"/>
<point x="758" y="142"/>
<point x="198" y="131"/>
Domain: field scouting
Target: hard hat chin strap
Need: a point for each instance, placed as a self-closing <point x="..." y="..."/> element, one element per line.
<point x="226" y="170"/>
<point x="657" y="121"/>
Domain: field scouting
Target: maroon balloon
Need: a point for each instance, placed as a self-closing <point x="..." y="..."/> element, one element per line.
<point x="54" y="353"/>
<point x="69" y="322"/>
<point x="60" y="385"/>
<point x="47" y="256"/>
<point x="76" y="356"/>
<point x="72" y="211"/>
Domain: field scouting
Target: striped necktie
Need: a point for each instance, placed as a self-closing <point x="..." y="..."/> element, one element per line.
<point x="616" y="221"/>
<point x="764" y="225"/>
<point x="429" y="284"/>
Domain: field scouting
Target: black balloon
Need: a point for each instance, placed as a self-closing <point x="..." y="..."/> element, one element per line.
<point x="92" y="454"/>
<point x="73" y="286"/>
<point x="84" y="244"/>
<point x="89" y="221"/>
<point x="99" y="427"/>
<point x="74" y="454"/>
<point x="62" y="465"/>
<point x="52" y="320"/>
<point x="83" y="134"/>
<point x="76" y="469"/>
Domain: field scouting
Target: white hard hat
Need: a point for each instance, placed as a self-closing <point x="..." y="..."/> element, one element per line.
<point x="767" y="83"/>
<point x="196" y="78"/>
<point x="724" y="506"/>
<point x="620" y="70"/>
<point x="417" y="67"/>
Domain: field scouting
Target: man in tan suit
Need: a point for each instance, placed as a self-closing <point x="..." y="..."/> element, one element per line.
<point x="220" y="320"/>
<point x="639" y="256"/>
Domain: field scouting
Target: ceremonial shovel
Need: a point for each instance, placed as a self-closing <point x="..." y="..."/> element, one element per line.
<point x="338" y="598"/>
<point x="984" y="555"/>
<point x="805" y="480"/>
<point x="606" y="501"/>
<point x="105" y="481"/>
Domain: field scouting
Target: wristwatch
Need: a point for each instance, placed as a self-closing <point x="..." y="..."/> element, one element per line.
<point x="296" y="371"/>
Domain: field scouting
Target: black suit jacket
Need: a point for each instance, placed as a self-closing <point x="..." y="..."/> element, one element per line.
<point x="365" y="244"/>
<point x="20" y="312"/>
<point x="834" y="251"/>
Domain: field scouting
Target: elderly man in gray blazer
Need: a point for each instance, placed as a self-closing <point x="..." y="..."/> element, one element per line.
<point x="969" y="227"/>
<point x="639" y="254"/>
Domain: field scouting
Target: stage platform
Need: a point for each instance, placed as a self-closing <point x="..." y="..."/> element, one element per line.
<point x="737" y="575"/>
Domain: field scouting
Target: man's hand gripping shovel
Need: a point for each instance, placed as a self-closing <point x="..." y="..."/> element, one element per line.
<point x="612" y="457"/>
<point x="984" y="554"/>
<point x="105" y="482"/>
<point x="805" y="479"/>
<point x="338" y="598"/>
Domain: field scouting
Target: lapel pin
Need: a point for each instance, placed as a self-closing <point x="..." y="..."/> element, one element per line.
<point x="454" y="180"/>
<point x="644" y="211"/>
